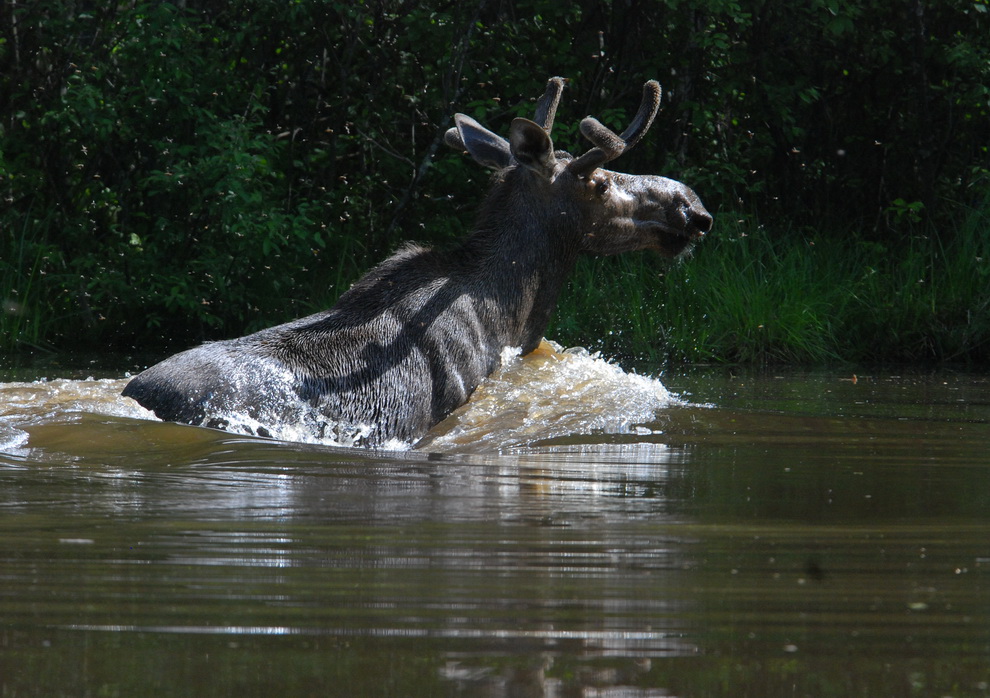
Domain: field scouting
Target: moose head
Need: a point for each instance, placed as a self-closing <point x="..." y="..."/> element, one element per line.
<point x="612" y="212"/>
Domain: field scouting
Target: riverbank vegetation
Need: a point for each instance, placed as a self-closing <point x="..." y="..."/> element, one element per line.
<point x="752" y="295"/>
<point x="174" y="172"/>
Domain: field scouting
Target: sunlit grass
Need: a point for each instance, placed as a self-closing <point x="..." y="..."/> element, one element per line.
<point x="757" y="296"/>
<point x="749" y="295"/>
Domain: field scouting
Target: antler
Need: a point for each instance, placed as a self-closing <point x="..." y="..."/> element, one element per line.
<point x="609" y="146"/>
<point x="546" y="109"/>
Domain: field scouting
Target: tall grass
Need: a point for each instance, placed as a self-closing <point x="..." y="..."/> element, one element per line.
<point x="749" y="295"/>
<point x="22" y="314"/>
<point x="931" y="303"/>
<point x="755" y="296"/>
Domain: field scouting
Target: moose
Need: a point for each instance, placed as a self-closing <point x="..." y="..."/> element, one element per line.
<point x="410" y="341"/>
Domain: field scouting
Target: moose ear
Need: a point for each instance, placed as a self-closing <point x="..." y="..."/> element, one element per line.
<point x="485" y="147"/>
<point x="531" y="146"/>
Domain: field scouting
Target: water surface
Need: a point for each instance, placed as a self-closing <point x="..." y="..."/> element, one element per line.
<point x="578" y="530"/>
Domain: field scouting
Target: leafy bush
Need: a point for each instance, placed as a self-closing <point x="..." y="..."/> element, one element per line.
<point x="175" y="172"/>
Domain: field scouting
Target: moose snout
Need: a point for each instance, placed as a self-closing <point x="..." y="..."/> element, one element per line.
<point x="674" y="205"/>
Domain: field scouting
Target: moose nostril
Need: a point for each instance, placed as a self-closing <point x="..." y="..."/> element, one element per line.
<point x="694" y="214"/>
<point x="702" y="220"/>
<point x="696" y="217"/>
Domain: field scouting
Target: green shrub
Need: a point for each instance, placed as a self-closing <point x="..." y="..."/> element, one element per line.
<point x="177" y="172"/>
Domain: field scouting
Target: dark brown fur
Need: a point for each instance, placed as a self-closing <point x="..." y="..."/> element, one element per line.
<point x="409" y="342"/>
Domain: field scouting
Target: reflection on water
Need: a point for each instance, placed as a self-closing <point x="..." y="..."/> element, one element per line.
<point x="576" y="532"/>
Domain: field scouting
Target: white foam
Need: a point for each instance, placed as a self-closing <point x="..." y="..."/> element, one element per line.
<point x="553" y="393"/>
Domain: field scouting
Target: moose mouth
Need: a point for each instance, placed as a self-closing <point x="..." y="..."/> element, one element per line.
<point x="671" y="241"/>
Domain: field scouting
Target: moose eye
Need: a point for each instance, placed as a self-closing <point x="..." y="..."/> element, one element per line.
<point x="601" y="186"/>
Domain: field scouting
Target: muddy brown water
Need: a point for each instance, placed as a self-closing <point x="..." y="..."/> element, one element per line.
<point x="578" y="530"/>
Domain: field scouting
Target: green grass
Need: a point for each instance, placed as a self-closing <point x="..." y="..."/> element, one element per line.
<point x="22" y="317"/>
<point x="749" y="295"/>
<point x="753" y="296"/>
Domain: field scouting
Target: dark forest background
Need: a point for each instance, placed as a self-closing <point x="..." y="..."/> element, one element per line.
<point x="178" y="171"/>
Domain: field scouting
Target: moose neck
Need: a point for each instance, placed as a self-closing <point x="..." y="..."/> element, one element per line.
<point x="519" y="260"/>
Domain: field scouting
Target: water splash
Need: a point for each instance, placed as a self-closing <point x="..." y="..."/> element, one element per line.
<point x="549" y="394"/>
<point x="546" y="395"/>
<point x="23" y="404"/>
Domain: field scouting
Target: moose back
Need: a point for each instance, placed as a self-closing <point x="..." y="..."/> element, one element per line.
<point x="410" y="341"/>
